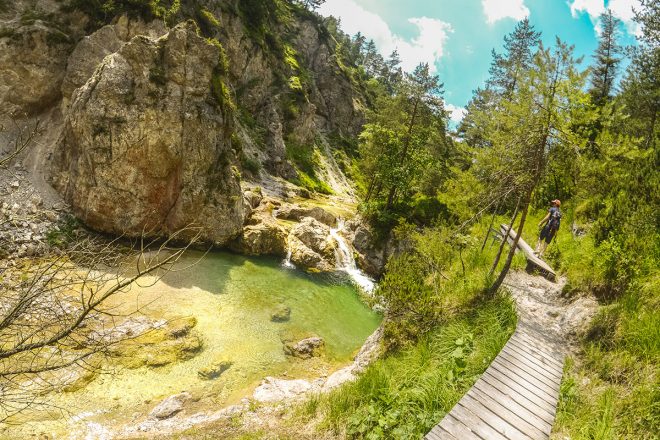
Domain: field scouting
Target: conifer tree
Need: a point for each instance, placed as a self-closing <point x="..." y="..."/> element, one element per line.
<point x="606" y="60"/>
<point x="506" y="68"/>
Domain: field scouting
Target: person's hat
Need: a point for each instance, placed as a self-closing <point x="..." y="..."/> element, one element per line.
<point x="556" y="202"/>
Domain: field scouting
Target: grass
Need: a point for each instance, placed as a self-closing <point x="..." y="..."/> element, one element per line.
<point x="407" y="393"/>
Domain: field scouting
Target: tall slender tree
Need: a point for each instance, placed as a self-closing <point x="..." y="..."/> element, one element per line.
<point x="506" y="68"/>
<point x="606" y="60"/>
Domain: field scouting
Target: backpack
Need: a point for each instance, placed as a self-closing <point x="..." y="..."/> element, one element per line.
<point x="555" y="220"/>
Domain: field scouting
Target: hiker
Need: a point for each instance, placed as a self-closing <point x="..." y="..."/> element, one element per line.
<point x="551" y="221"/>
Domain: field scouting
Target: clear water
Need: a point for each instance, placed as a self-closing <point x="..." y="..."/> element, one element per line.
<point x="232" y="298"/>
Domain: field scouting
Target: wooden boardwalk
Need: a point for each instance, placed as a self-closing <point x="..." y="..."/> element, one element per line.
<point x="516" y="397"/>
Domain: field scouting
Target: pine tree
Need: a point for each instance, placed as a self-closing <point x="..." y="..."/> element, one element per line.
<point x="506" y="68"/>
<point x="399" y="139"/>
<point x="640" y="92"/>
<point x="606" y="60"/>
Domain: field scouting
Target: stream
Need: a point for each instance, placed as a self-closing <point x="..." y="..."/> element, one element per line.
<point x="232" y="298"/>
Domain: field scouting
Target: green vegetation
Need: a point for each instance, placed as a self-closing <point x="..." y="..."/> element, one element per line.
<point x="103" y="11"/>
<point x="64" y="233"/>
<point x="405" y="394"/>
<point x="306" y="159"/>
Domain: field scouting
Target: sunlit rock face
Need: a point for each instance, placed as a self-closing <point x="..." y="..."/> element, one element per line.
<point x="145" y="145"/>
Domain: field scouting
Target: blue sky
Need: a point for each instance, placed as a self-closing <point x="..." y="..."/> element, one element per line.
<point x="456" y="36"/>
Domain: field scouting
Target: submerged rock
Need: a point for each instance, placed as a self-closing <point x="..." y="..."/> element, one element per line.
<point x="170" y="406"/>
<point x="214" y="369"/>
<point x="306" y="348"/>
<point x="281" y="314"/>
<point x="157" y="345"/>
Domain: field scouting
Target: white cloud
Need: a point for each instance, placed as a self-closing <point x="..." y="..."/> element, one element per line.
<point x="622" y="9"/>
<point x="427" y="47"/>
<point x="456" y="114"/>
<point x="592" y="7"/>
<point x="499" y="9"/>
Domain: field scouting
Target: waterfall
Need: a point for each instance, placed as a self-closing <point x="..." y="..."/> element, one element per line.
<point x="346" y="262"/>
<point x="287" y="264"/>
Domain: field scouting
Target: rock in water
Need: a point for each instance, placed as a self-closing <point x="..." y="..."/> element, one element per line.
<point x="170" y="406"/>
<point x="305" y="348"/>
<point x="311" y="245"/>
<point x="215" y="369"/>
<point x="282" y="314"/>
<point x="145" y="145"/>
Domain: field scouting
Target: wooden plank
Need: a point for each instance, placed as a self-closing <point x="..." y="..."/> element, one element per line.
<point x="541" y="382"/>
<point x="531" y="386"/>
<point x="537" y="343"/>
<point x="520" y="389"/>
<point x="539" y="353"/>
<point x="510" y="390"/>
<point x="515" y="403"/>
<point x="456" y="428"/>
<point x="492" y="420"/>
<point x="529" y="252"/>
<point x="438" y="433"/>
<point x="443" y="434"/>
<point x="506" y="412"/>
<point x="531" y="361"/>
<point x="530" y="365"/>
<point x="533" y="337"/>
<point x="475" y="422"/>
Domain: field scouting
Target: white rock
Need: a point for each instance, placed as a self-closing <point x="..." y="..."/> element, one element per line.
<point x="339" y="377"/>
<point x="170" y="406"/>
<point x="274" y="390"/>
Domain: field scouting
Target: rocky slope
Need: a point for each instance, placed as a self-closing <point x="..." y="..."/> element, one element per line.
<point x="156" y="121"/>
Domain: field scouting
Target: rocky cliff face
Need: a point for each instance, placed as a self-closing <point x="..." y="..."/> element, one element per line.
<point x="145" y="145"/>
<point x="163" y="123"/>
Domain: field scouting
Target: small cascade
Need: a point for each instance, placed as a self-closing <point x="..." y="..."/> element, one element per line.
<point x="286" y="263"/>
<point x="346" y="262"/>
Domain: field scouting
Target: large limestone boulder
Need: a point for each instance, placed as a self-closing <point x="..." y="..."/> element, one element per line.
<point x="274" y="390"/>
<point x="262" y="235"/>
<point x="371" y="255"/>
<point x="170" y="406"/>
<point x="311" y="245"/>
<point x="296" y="212"/>
<point x="146" y="143"/>
<point x="92" y="49"/>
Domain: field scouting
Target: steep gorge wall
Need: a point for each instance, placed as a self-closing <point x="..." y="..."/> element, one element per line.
<point x="157" y="131"/>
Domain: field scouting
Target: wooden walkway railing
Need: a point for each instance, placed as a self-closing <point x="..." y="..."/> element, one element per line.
<point x="516" y="397"/>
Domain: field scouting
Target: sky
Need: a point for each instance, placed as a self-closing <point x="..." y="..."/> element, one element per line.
<point x="455" y="37"/>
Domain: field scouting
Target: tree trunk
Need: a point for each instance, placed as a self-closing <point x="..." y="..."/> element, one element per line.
<point x="490" y="227"/>
<point x="504" y="239"/>
<point x="507" y="264"/>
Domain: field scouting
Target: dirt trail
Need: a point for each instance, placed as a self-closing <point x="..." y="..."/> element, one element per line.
<point x="542" y="308"/>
